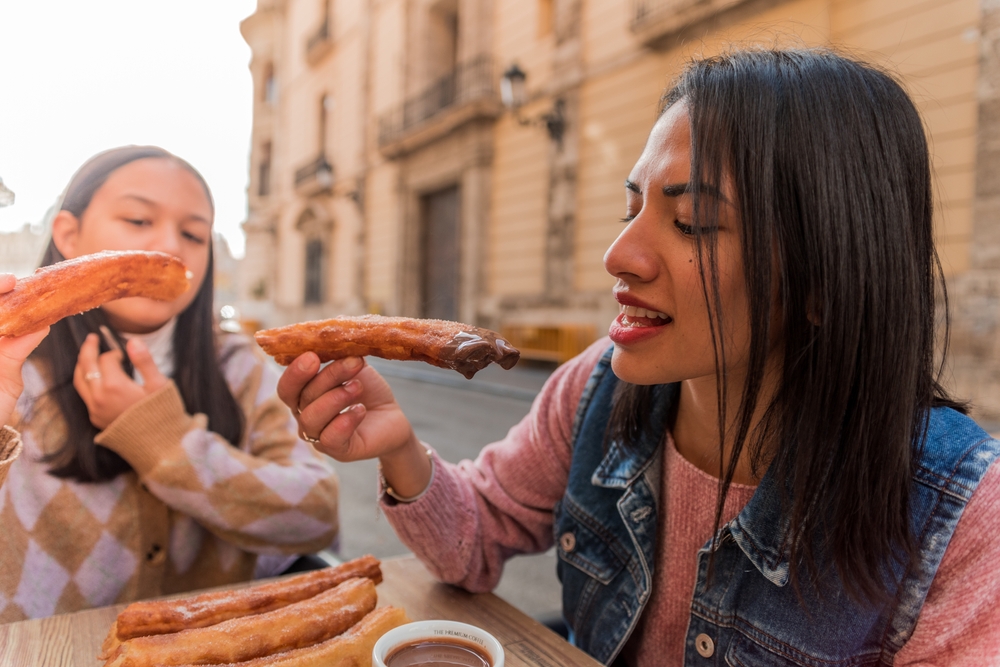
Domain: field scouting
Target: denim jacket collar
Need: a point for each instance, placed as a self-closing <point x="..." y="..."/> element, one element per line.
<point x="621" y="466"/>
<point x="752" y="529"/>
<point x="754" y="532"/>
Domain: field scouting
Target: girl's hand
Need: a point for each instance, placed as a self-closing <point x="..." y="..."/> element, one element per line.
<point x="346" y="406"/>
<point x="103" y="384"/>
<point x="13" y="352"/>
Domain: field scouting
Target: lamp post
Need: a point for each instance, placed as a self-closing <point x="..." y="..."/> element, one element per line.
<point x="6" y="195"/>
<point x="513" y="94"/>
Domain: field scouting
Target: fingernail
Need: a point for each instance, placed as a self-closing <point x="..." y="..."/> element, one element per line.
<point x="357" y="407"/>
<point x="352" y="387"/>
<point x="352" y="363"/>
<point x="304" y="364"/>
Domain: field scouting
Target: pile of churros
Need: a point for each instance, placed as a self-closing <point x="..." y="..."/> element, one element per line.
<point x="322" y="618"/>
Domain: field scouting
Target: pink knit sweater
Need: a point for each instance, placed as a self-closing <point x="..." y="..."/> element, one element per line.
<point x="475" y="515"/>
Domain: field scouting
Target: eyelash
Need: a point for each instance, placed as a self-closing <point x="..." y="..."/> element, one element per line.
<point x="686" y="230"/>
<point x="187" y="235"/>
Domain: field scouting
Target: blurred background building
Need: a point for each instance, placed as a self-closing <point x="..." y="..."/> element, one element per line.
<point x="388" y="176"/>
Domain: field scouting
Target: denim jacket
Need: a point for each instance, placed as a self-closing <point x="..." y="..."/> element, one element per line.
<point x="749" y="615"/>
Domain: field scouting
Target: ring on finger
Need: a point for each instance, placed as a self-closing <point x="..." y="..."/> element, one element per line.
<point x="93" y="375"/>
<point x="302" y="434"/>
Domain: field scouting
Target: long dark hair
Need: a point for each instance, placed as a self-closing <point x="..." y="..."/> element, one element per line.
<point x="198" y="369"/>
<point x="830" y="165"/>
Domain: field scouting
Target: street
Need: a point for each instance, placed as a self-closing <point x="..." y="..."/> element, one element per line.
<point x="457" y="417"/>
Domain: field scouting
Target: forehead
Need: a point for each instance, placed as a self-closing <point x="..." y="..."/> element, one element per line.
<point x="161" y="181"/>
<point x="667" y="154"/>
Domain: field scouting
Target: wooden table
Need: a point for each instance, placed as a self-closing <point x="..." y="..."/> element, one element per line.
<point x="73" y="640"/>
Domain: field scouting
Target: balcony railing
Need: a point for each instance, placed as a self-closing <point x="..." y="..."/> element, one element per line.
<point x="314" y="177"/>
<point x="319" y="42"/>
<point x="469" y="82"/>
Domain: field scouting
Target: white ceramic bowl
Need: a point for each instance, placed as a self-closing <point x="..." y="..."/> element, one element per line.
<point x="419" y="630"/>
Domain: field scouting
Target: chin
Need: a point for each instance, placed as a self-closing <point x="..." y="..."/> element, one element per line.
<point x="131" y="316"/>
<point x="632" y="368"/>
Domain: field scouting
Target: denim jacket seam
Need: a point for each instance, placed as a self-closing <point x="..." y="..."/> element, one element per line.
<point x="910" y="574"/>
<point x="587" y="397"/>
<point x="591" y="523"/>
<point x="950" y="481"/>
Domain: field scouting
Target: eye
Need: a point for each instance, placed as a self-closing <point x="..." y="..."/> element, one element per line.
<point x="686" y="230"/>
<point x="628" y="218"/>
<point x="138" y="222"/>
<point x="193" y="238"/>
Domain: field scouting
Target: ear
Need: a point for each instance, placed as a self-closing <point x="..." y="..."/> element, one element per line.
<point x="66" y="233"/>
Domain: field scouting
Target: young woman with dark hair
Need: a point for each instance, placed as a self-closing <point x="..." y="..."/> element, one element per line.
<point x="157" y="457"/>
<point x="760" y="467"/>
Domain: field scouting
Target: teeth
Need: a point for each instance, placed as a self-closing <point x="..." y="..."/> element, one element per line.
<point x="632" y="311"/>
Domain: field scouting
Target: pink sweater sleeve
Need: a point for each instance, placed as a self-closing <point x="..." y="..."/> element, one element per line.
<point x="959" y="625"/>
<point x="477" y="514"/>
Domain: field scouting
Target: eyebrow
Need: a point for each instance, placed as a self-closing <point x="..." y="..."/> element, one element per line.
<point x="678" y="189"/>
<point x="153" y="204"/>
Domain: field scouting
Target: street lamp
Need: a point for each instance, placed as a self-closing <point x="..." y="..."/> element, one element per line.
<point x="6" y="195"/>
<point x="513" y="94"/>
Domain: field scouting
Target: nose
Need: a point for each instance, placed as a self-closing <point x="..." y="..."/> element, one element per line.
<point x="631" y="256"/>
<point x="168" y="240"/>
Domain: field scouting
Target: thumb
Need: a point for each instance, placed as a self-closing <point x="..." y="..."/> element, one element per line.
<point x="13" y="352"/>
<point x="153" y="379"/>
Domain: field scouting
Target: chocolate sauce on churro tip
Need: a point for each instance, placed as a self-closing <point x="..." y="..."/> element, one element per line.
<point x="471" y="351"/>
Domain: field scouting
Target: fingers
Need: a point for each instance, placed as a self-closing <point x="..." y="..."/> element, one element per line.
<point x="333" y="375"/>
<point x="328" y="407"/>
<point x="13" y="352"/>
<point x="295" y="377"/>
<point x="304" y="381"/>
<point x="87" y="369"/>
<point x="337" y="435"/>
<point x="7" y="282"/>
<point x="143" y="362"/>
<point x="16" y="350"/>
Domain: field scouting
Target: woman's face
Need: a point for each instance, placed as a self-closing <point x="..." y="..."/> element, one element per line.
<point x="148" y="204"/>
<point x="662" y="334"/>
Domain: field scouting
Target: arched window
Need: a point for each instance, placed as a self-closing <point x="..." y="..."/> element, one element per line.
<point x="314" y="271"/>
<point x="315" y="233"/>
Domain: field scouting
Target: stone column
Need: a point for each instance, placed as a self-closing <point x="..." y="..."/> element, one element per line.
<point x="975" y="295"/>
<point x="564" y="154"/>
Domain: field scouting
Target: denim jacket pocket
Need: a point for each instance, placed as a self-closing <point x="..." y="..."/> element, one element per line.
<point x="581" y="541"/>
<point x="744" y="652"/>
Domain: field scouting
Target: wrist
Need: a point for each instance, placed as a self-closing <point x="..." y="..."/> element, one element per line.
<point x="407" y="474"/>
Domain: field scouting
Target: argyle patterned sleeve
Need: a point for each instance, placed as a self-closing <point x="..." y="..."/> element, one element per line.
<point x="10" y="447"/>
<point x="272" y="494"/>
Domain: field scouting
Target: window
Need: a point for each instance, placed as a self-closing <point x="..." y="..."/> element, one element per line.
<point x="264" y="170"/>
<point x="269" y="91"/>
<point x="325" y="106"/>
<point x="314" y="271"/>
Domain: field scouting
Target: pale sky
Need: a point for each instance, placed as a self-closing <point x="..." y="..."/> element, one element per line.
<point x="78" y="77"/>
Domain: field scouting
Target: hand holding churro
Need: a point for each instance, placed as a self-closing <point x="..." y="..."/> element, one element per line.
<point x="13" y="352"/>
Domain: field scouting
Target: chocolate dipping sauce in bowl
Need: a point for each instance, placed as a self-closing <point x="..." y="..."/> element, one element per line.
<point x="437" y="644"/>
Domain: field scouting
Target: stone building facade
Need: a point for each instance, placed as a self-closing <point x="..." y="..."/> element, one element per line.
<point x="388" y="177"/>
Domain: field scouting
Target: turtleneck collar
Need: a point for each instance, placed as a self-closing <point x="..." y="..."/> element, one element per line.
<point x="160" y="344"/>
